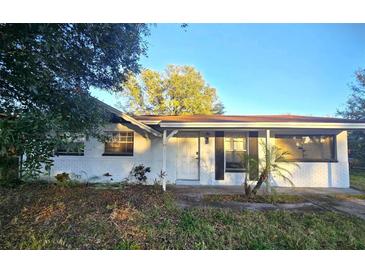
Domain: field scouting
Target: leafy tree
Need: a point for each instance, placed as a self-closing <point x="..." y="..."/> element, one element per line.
<point x="46" y="71"/>
<point x="355" y="109"/>
<point x="179" y="90"/>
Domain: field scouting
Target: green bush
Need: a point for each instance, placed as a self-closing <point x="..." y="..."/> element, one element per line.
<point x="64" y="179"/>
<point x="139" y="173"/>
<point x="9" y="170"/>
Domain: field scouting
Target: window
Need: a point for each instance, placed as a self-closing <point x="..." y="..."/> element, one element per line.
<point x="235" y="146"/>
<point x="307" y="148"/>
<point x="72" y="146"/>
<point x="119" y="143"/>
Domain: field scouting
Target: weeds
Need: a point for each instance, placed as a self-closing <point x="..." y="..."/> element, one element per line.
<point x="40" y="216"/>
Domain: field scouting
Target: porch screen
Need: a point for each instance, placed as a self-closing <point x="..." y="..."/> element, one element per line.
<point x="119" y="143"/>
<point x="307" y="148"/>
<point x="235" y="146"/>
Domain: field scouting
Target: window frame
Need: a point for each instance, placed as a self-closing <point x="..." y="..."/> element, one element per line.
<point x="57" y="153"/>
<point x="244" y="135"/>
<point x="308" y="160"/>
<point x="119" y="153"/>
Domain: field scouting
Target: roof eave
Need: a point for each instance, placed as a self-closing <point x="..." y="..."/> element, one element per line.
<point x="131" y="119"/>
<point x="264" y="125"/>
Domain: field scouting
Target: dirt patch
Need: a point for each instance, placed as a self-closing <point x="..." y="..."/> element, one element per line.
<point x="48" y="212"/>
<point x="126" y="220"/>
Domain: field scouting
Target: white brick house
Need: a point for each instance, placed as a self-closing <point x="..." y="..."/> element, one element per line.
<point x="204" y="149"/>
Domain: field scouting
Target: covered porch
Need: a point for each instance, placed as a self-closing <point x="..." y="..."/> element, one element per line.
<point x="203" y="156"/>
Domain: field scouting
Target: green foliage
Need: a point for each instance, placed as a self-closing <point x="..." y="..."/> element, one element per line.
<point x="139" y="173"/>
<point x="127" y="245"/>
<point x="354" y="109"/>
<point x="9" y="170"/>
<point x="180" y="90"/>
<point x="275" y="164"/>
<point x="214" y="228"/>
<point x="357" y="179"/>
<point x="63" y="177"/>
<point x="46" y="71"/>
<point x="161" y="176"/>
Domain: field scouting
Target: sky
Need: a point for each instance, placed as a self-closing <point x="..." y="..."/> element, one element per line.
<point x="302" y="69"/>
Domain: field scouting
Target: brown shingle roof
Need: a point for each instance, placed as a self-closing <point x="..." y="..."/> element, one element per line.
<point x="243" y="118"/>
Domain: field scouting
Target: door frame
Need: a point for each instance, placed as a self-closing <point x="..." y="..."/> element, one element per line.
<point x="190" y="181"/>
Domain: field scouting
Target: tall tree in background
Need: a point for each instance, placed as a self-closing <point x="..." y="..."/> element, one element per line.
<point x="355" y="109"/>
<point x="46" y="71"/>
<point x="180" y="90"/>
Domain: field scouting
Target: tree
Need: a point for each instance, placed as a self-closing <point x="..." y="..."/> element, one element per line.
<point x="275" y="164"/>
<point x="180" y="90"/>
<point x="355" y="109"/>
<point x="46" y="71"/>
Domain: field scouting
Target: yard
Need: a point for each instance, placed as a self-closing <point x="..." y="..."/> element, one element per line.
<point x="357" y="178"/>
<point x="40" y="216"/>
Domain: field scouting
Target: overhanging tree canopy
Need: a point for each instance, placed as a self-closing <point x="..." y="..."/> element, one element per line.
<point x="46" y="71"/>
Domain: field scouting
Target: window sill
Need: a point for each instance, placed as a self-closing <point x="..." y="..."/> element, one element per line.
<point x="68" y="154"/>
<point x="117" y="154"/>
<point x="235" y="171"/>
<point x="309" y="161"/>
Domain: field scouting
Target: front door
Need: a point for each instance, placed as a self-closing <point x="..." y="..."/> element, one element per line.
<point x="188" y="156"/>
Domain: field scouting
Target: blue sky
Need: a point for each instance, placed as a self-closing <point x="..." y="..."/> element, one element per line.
<point x="300" y="69"/>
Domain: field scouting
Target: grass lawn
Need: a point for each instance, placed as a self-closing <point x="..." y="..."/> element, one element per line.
<point x="39" y="216"/>
<point x="357" y="179"/>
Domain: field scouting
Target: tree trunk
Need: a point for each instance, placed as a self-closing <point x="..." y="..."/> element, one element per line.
<point x="261" y="180"/>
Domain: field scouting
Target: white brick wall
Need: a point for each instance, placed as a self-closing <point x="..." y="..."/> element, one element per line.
<point x="148" y="151"/>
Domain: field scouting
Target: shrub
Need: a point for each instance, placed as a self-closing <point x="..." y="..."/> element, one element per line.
<point x="139" y="173"/>
<point x="9" y="170"/>
<point x="160" y="178"/>
<point x="64" y="179"/>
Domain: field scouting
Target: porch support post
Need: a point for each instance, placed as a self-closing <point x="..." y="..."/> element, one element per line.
<point x="267" y="151"/>
<point x="164" y="141"/>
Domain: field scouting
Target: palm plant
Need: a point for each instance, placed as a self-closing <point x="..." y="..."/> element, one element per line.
<point x="276" y="163"/>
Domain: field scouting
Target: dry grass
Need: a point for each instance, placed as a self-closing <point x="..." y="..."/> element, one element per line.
<point x="139" y="217"/>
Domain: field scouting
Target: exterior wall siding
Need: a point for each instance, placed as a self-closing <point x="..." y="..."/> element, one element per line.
<point x="148" y="151"/>
<point x="92" y="165"/>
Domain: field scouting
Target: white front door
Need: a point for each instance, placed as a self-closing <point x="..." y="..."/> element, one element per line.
<point x="188" y="156"/>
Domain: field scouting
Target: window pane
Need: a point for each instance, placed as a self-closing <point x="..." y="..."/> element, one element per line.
<point x="235" y="160"/>
<point x="72" y="146"/>
<point x="120" y="143"/>
<point x="235" y="150"/>
<point x="307" y="148"/>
